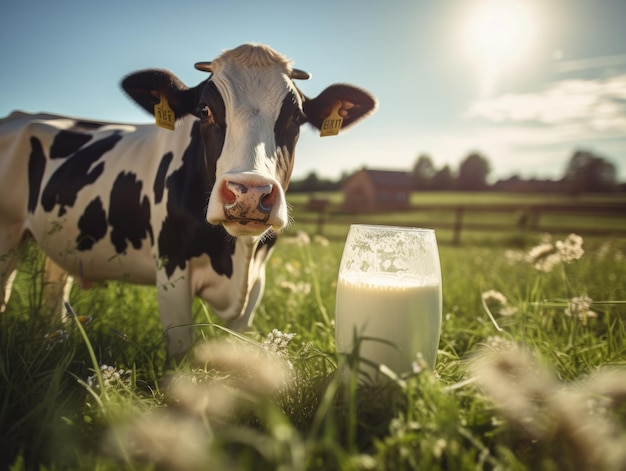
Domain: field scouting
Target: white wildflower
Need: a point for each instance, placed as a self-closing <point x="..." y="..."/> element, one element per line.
<point x="321" y="240"/>
<point x="300" y="287"/>
<point x="571" y="248"/>
<point x="493" y="296"/>
<point x="514" y="256"/>
<point x="580" y="307"/>
<point x="496" y="301"/>
<point x="497" y="343"/>
<point x="301" y="239"/>
<point x="292" y="268"/>
<point x="546" y="255"/>
<point x="277" y="341"/>
<point x="507" y="311"/>
<point x="111" y="377"/>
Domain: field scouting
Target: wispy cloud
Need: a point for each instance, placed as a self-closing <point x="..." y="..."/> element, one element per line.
<point x="588" y="106"/>
<point x="604" y="62"/>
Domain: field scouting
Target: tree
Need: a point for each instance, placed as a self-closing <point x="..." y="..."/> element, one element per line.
<point x="587" y="172"/>
<point x="443" y="180"/>
<point x="423" y="172"/>
<point x="473" y="173"/>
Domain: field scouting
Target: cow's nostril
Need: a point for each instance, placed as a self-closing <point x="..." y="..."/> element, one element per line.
<point x="228" y="197"/>
<point x="267" y="201"/>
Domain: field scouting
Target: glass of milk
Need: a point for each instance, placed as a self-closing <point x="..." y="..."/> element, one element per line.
<point x="389" y="298"/>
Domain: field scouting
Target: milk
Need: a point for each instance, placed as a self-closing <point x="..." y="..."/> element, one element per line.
<point x="400" y="309"/>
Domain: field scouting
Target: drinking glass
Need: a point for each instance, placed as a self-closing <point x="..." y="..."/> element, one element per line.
<point x="389" y="298"/>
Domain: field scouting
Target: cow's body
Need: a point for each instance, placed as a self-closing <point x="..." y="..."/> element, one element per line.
<point x="191" y="211"/>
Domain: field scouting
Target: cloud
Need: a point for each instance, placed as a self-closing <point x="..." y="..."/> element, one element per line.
<point x="574" y="105"/>
<point x="591" y="63"/>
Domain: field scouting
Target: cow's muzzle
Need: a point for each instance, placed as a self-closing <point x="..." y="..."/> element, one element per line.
<point x="247" y="207"/>
<point x="247" y="203"/>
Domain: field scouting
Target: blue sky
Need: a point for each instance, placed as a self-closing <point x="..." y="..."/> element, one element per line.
<point x="525" y="82"/>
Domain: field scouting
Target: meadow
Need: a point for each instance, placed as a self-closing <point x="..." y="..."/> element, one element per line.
<point x="531" y="371"/>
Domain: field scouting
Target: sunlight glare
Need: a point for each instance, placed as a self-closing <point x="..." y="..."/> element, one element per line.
<point x="497" y="35"/>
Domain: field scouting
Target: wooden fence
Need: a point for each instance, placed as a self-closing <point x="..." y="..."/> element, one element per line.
<point x="600" y="219"/>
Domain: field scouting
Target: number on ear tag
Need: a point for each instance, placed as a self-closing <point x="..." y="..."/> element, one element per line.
<point x="164" y="115"/>
<point x="332" y="124"/>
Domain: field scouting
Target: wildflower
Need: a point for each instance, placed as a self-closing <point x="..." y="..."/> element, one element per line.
<point x="300" y="287"/>
<point x="111" y="377"/>
<point x="439" y="447"/>
<point x="580" y="307"/>
<point x="571" y="248"/>
<point x="301" y="239"/>
<point x="514" y="256"/>
<point x="546" y="255"/>
<point x="419" y="364"/>
<point x="277" y="341"/>
<point x="497" y="343"/>
<point x="292" y="268"/>
<point x="58" y="336"/>
<point x="496" y="301"/>
<point x="493" y="296"/>
<point x="321" y="240"/>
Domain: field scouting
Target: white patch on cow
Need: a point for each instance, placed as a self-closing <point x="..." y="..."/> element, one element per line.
<point x="253" y="85"/>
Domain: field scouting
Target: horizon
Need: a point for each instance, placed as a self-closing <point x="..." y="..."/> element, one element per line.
<point x="525" y="83"/>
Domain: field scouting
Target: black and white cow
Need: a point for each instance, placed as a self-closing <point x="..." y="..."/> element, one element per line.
<point x="193" y="210"/>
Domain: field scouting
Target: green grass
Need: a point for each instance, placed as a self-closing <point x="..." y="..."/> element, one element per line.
<point x="535" y="390"/>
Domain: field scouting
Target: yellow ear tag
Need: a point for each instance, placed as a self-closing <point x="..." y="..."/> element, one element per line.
<point x="332" y="124"/>
<point x="164" y="115"/>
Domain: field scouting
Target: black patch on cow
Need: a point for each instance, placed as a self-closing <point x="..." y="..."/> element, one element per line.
<point x="88" y="125"/>
<point x="67" y="142"/>
<point x="75" y="174"/>
<point x="212" y="128"/>
<point x="92" y="225"/>
<point x="185" y="232"/>
<point x="36" y="168"/>
<point x="159" y="180"/>
<point x="129" y="214"/>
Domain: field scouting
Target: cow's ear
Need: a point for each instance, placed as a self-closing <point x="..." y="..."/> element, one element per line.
<point x="356" y="104"/>
<point x="146" y="88"/>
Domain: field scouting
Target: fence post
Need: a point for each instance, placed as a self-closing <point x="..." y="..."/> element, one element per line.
<point x="458" y="225"/>
<point x="321" y="216"/>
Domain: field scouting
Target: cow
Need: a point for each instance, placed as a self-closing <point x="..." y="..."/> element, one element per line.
<point x="194" y="210"/>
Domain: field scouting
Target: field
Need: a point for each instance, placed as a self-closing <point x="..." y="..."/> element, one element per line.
<point x="531" y="370"/>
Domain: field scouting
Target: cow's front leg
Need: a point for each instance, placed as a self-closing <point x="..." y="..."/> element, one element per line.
<point x="256" y="294"/>
<point x="56" y="288"/>
<point x="175" y="298"/>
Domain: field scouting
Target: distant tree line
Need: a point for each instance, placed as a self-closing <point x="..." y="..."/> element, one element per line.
<point x="585" y="172"/>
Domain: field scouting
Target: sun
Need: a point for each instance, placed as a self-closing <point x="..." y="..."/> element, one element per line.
<point x="497" y="35"/>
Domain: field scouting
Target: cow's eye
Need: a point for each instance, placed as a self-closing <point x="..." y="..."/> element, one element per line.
<point x="204" y="113"/>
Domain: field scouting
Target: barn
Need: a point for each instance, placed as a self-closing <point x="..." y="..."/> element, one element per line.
<point x="369" y="190"/>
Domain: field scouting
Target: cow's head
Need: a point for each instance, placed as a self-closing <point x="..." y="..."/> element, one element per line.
<point x="251" y="112"/>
